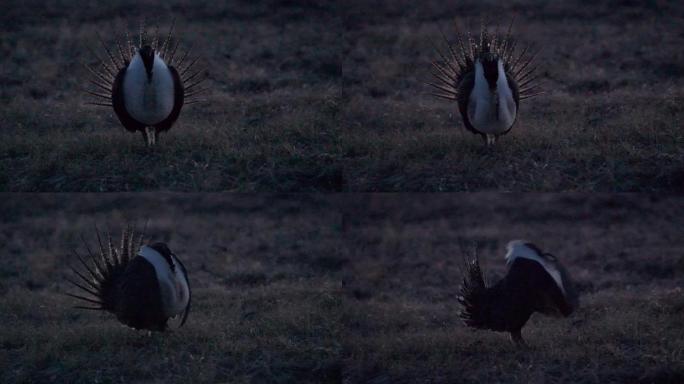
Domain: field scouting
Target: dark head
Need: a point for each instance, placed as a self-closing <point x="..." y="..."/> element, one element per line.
<point x="491" y="70"/>
<point x="147" y="55"/>
<point x="164" y="250"/>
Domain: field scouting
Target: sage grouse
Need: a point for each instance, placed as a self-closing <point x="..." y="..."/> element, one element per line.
<point x="487" y="78"/>
<point x="147" y="84"/>
<point x="144" y="289"/>
<point x="535" y="282"/>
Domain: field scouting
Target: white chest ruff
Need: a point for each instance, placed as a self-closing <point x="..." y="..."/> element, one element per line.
<point x="173" y="286"/>
<point x="491" y="112"/>
<point x="517" y="248"/>
<point x="148" y="101"/>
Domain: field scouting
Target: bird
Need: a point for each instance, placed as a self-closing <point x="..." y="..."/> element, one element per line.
<point x="536" y="281"/>
<point x="146" y="84"/>
<point x="143" y="289"/>
<point x="487" y="78"/>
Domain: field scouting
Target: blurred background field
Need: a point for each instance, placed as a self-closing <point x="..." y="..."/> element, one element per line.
<point x="264" y="273"/>
<point x="611" y="118"/>
<point x="273" y="68"/>
<point x="625" y="252"/>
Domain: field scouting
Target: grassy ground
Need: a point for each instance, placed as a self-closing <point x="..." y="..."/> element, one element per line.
<point x="353" y="289"/>
<point x="273" y="68"/>
<point x="309" y="96"/>
<point x="625" y="252"/>
<point x="610" y="121"/>
<point x="265" y="291"/>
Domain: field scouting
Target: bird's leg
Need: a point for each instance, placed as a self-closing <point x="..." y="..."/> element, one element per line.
<point x="144" y="135"/>
<point x="149" y="136"/>
<point x="517" y="339"/>
<point x="490" y="140"/>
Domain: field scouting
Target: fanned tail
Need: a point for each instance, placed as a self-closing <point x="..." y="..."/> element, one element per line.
<point x="461" y="55"/>
<point x="193" y="78"/>
<point x="97" y="279"/>
<point x="104" y="71"/>
<point x="471" y="294"/>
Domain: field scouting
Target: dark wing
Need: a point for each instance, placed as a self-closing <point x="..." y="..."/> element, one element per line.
<point x="533" y="288"/>
<point x="179" y="96"/>
<point x="119" y="106"/>
<point x="139" y="302"/>
<point x="465" y="87"/>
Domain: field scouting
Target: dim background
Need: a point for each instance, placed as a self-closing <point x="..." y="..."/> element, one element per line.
<point x="611" y="118"/>
<point x="625" y="253"/>
<point x="272" y="68"/>
<point x="263" y="271"/>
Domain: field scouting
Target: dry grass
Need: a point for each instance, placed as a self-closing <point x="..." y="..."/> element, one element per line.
<point x="610" y="121"/>
<point x="263" y="272"/>
<point x="311" y="96"/>
<point x="269" y="124"/>
<point x="354" y="289"/>
<point x="401" y="316"/>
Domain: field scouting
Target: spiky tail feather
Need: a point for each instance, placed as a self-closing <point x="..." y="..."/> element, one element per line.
<point x="103" y="74"/>
<point x="471" y="294"/>
<point x="459" y="59"/>
<point x="99" y="278"/>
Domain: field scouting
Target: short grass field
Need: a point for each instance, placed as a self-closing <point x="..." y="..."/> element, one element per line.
<point x="348" y="289"/>
<point x="611" y="118"/>
<point x="272" y="68"/>
<point x="626" y="254"/>
<point x="315" y="96"/>
<point x="263" y="270"/>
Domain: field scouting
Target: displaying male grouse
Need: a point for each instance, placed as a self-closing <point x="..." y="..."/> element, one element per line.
<point x="535" y="282"/>
<point x="144" y="289"/>
<point x="145" y="84"/>
<point x="487" y="79"/>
